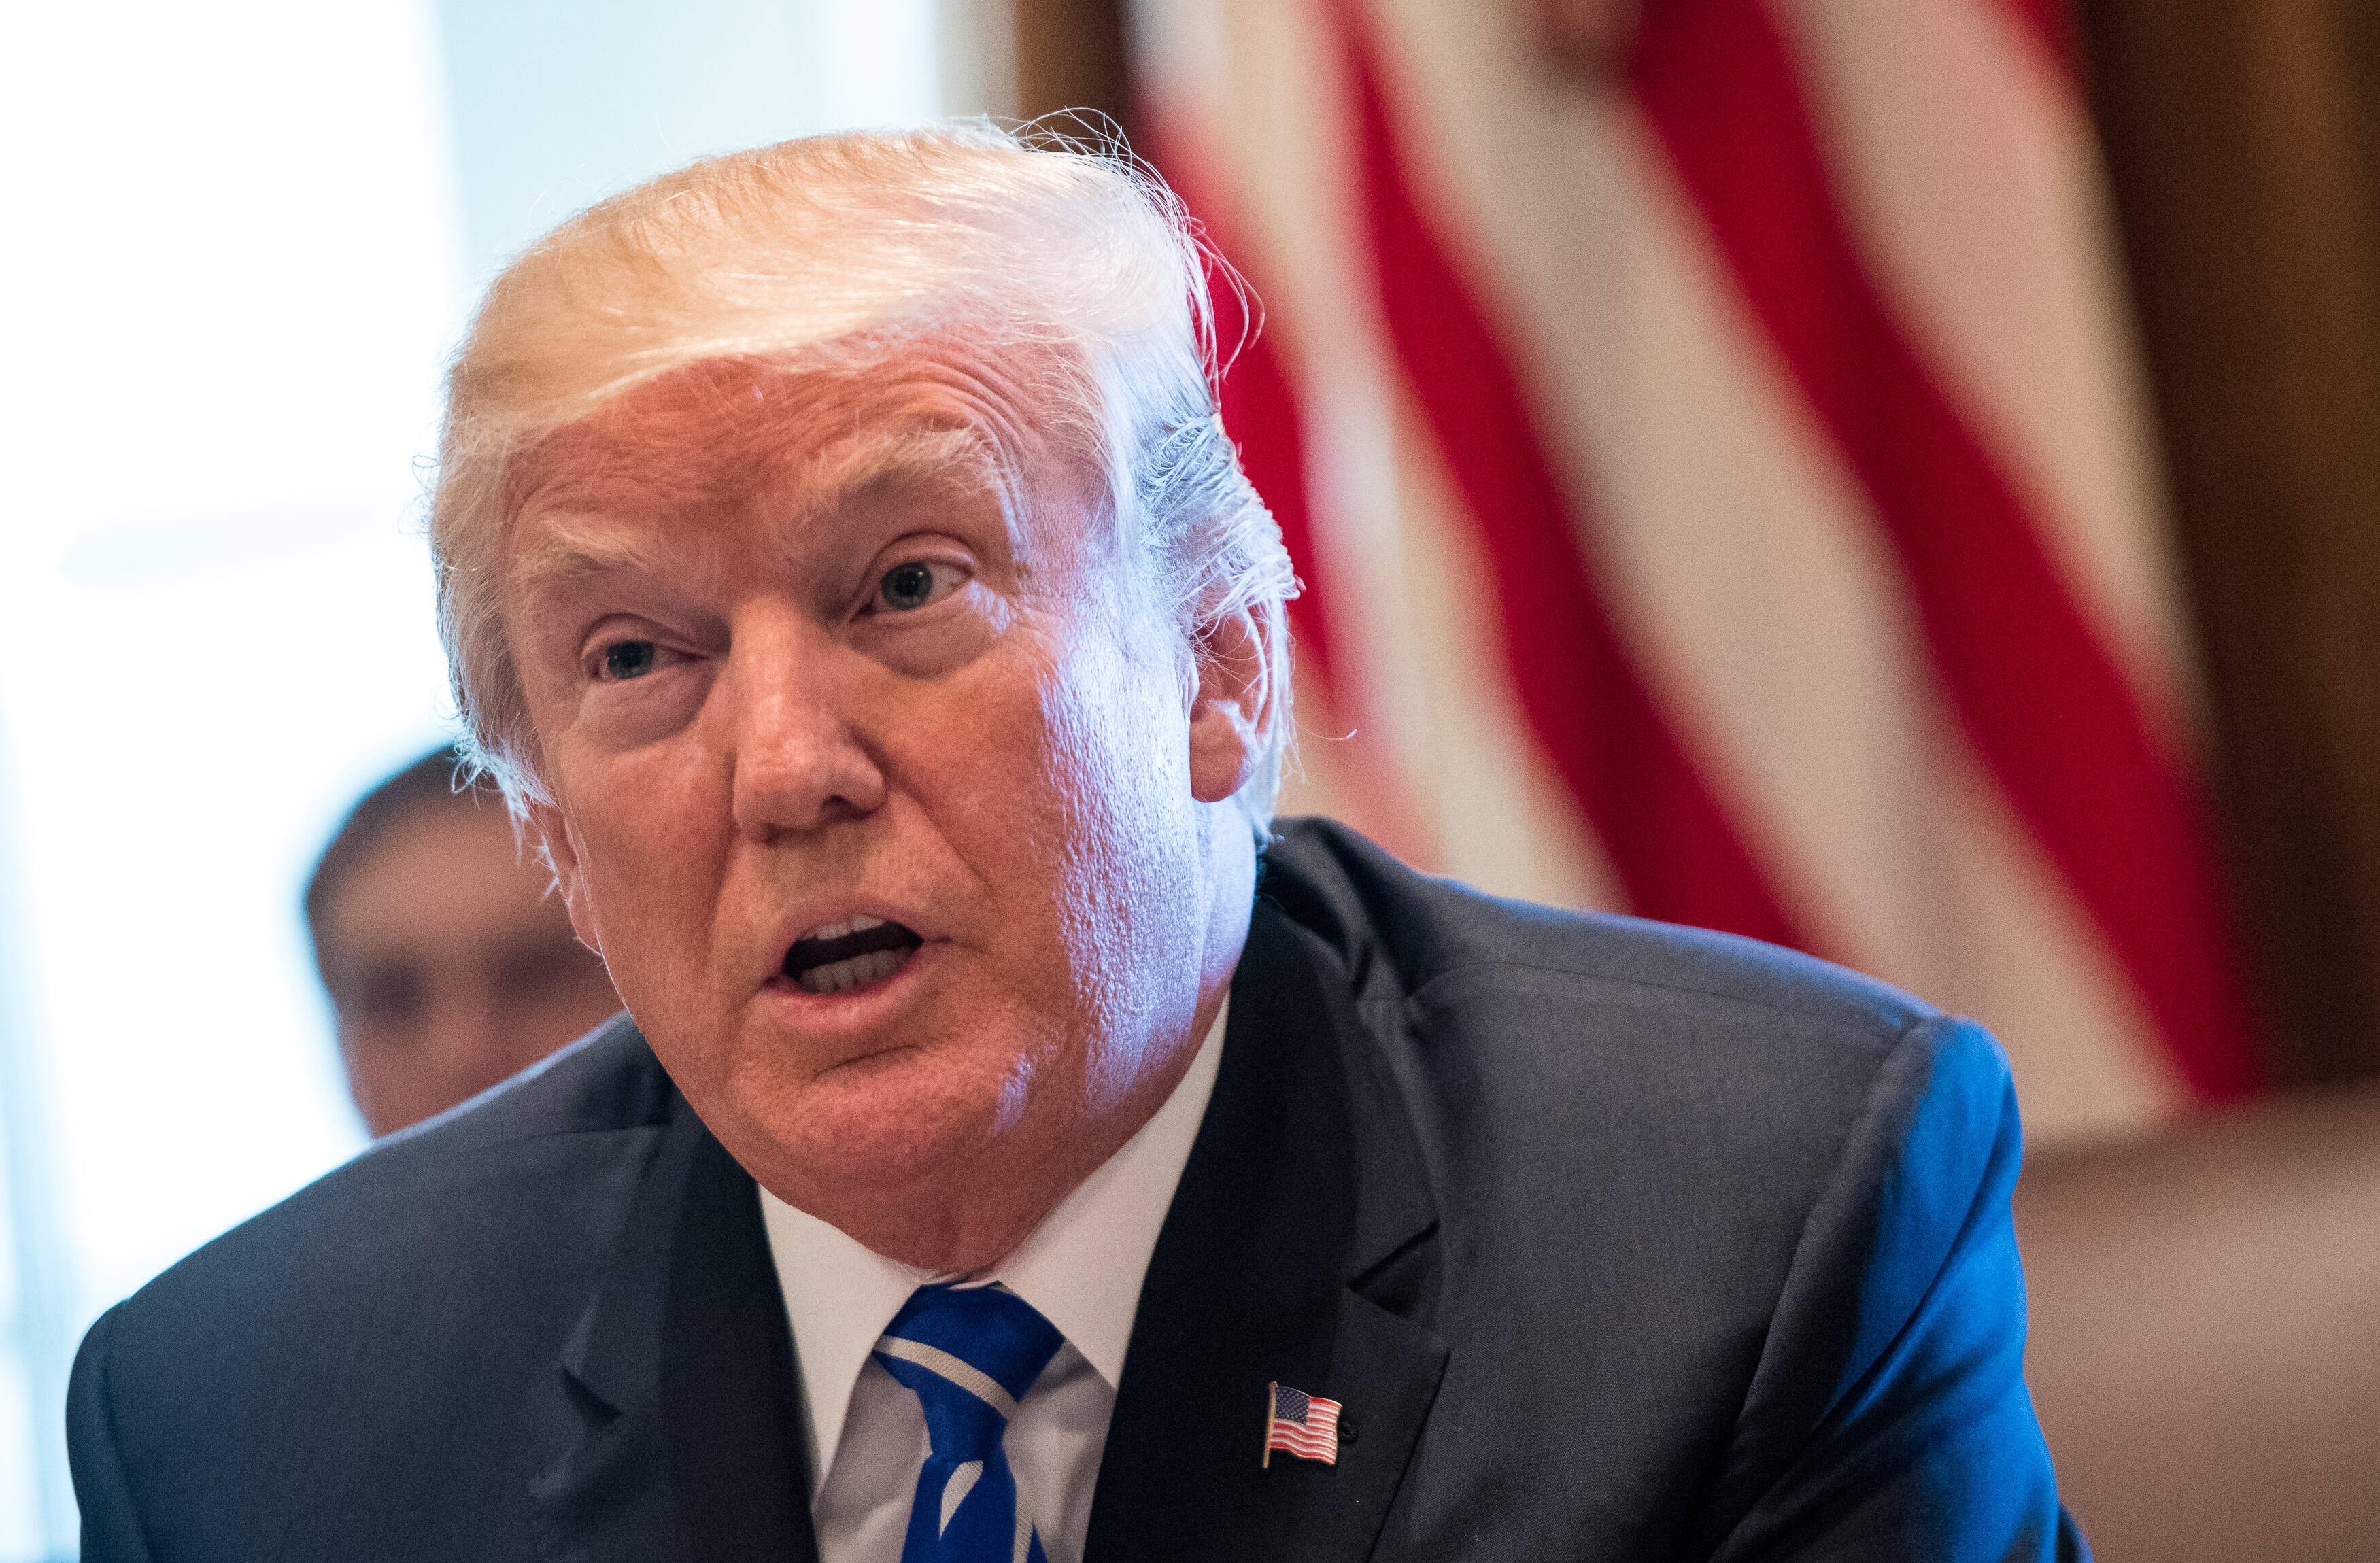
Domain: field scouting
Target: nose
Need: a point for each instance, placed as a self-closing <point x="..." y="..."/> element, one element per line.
<point x="798" y="761"/>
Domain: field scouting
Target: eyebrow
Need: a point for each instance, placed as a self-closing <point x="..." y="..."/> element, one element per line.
<point x="569" y="553"/>
<point x="576" y="548"/>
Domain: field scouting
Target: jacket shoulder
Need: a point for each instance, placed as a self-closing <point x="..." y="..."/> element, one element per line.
<point x="502" y="1181"/>
<point x="356" y="1362"/>
<point x="1692" y="1189"/>
<point x="1400" y="934"/>
<point x="1594" y="1068"/>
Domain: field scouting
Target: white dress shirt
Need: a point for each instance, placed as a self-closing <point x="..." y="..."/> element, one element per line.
<point x="1081" y="1268"/>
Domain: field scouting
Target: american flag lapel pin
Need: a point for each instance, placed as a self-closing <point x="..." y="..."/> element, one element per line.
<point x="1299" y="1423"/>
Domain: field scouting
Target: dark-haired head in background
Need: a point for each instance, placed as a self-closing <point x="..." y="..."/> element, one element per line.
<point x="449" y="965"/>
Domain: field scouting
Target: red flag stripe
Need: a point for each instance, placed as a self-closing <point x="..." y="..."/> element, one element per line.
<point x="1259" y="410"/>
<point x="1674" y="849"/>
<point x="2038" y="695"/>
<point x="2051" y="23"/>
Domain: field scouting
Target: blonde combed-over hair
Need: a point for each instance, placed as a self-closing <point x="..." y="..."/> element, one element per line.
<point x="836" y="252"/>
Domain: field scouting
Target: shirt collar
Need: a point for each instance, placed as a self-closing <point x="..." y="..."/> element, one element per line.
<point x="1081" y="1268"/>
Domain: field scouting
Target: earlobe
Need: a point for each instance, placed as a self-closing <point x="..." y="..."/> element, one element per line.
<point x="554" y="829"/>
<point x="1232" y="708"/>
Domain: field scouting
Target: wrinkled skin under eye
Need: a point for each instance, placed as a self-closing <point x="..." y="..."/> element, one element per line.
<point x="905" y="586"/>
<point x="630" y="659"/>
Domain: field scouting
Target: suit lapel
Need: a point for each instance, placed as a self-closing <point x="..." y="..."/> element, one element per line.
<point x="1300" y="1247"/>
<point x="675" y="1412"/>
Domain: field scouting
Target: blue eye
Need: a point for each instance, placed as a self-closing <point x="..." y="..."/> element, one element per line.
<point x="905" y="586"/>
<point x="630" y="659"/>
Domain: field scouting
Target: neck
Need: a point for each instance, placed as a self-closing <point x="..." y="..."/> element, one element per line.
<point x="952" y="1233"/>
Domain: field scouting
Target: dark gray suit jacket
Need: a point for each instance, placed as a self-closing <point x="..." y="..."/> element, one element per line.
<point x="1616" y="1242"/>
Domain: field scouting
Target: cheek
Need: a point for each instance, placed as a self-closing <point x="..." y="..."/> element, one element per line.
<point x="1094" y="755"/>
<point x="652" y="844"/>
<point x="1126" y="885"/>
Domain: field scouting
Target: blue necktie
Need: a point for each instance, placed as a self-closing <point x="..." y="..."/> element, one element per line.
<point x="969" y="1356"/>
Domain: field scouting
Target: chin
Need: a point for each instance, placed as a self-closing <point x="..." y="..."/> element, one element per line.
<point x="903" y="1122"/>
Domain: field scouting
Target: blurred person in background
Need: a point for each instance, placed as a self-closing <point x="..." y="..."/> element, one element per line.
<point x="450" y="964"/>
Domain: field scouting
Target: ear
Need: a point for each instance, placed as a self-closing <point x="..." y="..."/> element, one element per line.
<point x="553" y="828"/>
<point x="1235" y="700"/>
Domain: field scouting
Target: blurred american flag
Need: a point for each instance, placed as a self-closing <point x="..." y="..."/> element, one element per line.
<point x="1710" y="434"/>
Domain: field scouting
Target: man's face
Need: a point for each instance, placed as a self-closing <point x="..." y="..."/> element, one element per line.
<point x="451" y="966"/>
<point x="872" y="773"/>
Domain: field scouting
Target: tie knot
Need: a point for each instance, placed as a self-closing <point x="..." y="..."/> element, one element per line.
<point x="969" y="1355"/>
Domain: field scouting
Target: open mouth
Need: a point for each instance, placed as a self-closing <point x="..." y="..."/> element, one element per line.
<point x="839" y="957"/>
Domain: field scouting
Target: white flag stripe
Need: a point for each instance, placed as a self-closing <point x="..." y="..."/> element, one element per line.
<point x="2025" y="957"/>
<point x="1967" y="169"/>
<point x="1497" y="806"/>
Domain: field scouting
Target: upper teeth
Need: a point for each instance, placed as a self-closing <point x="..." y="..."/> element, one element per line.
<point x="861" y="922"/>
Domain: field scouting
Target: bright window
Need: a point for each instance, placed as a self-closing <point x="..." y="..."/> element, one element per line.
<point x="244" y="237"/>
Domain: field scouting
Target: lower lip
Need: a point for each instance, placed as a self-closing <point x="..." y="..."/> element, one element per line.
<point x="854" y="1007"/>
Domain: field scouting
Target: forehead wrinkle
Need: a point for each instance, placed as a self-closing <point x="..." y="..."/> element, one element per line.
<point x="724" y="449"/>
<point x="685" y="440"/>
<point x="889" y="461"/>
<point x="577" y="545"/>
